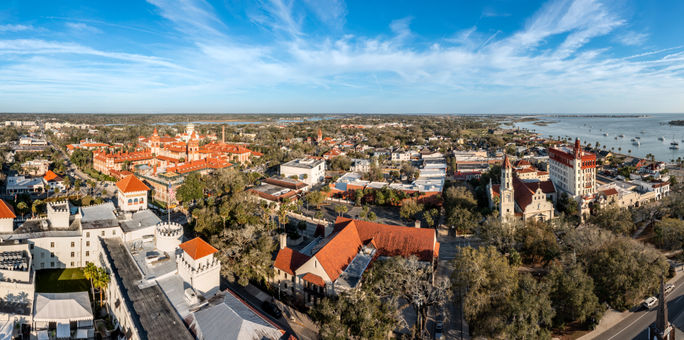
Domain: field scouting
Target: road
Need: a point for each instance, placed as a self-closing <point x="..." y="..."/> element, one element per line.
<point x="635" y="326"/>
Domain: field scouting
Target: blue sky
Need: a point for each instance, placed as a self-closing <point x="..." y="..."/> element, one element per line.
<point x="318" y="56"/>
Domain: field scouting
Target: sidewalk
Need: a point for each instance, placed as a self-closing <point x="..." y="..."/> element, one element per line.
<point x="613" y="317"/>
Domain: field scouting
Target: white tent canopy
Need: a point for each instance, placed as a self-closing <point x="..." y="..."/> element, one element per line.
<point x="6" y="330"/>
<point x="62" y="307"/>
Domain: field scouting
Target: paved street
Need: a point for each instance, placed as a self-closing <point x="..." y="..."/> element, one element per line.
<point x="635" y="326"/>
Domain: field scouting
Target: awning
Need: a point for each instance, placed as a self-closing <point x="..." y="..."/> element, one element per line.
<point x="6" y="330"/>
<point x="82" y="334"/>
<point x="43" y="335"/>
<point x="62" y="307"/>
<point x="63" y="330"/>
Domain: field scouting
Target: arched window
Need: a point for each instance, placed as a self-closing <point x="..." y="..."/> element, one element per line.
<point x="135" y="201"/>
<point x="130" y="201"/>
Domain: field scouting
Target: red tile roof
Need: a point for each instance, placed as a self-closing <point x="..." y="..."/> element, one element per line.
<point x="131" y="184"/>
<point x="338" y="250"/>
<point x="197" y="248"/>
<point x="50" y="175"/>
<point x="610" y="192"/>
<point x="288" y="260"/>
<point x="395" y="240"/>
<point x="313" y="278"/>
<point x="5" y="210"/>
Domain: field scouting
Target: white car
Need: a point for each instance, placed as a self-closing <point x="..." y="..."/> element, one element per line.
<point x="650" y="302"/>
<point x="669" y="287"/>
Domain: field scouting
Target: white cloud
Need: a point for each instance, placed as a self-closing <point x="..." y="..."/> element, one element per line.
<point x="82" y="27"/>
<point x="632" y="38"/>
<point x="549" y="58"/>
<point x="15" y="28"/>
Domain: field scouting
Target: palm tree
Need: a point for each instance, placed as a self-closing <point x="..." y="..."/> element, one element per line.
<point x="101" y="281"/>
<point x="90" y="272"/>
<point x="341" y="209"/>
<point x="34" y="207"/>
<point x="22" y="207"/>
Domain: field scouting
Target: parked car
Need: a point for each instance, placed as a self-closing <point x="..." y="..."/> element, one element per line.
<point x="650" y="302"/>
<point x="272" y="309"/>
<point x="669" y="287"/>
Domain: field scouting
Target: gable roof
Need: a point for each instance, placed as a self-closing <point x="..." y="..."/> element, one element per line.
<point x="288" y="260"/>
<point x="233" y="319"/>
<point x="337" y="250"/>
<point x="50" y="175"/>
<point x="391" y="240"/>
<point x="131" y="184"/>
<point x="198" y="248"/>
<point x="5" y="210"/>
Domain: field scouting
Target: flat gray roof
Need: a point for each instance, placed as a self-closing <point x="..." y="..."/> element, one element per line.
<point x="152" y="314"/>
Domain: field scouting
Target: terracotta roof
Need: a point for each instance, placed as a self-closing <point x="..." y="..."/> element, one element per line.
<point x="197" y="248"/>
<point x="5" y="210"/>
<point x="313" y="278"/>
<point x="50" y="175"/>
<point x="495" y="189"/>
<point x="523" y="162"/>
<point x="338" y="250"/>
<point x="523" y="191"/>
<point x="395" y="240"/>
<point x="288" y="260"/>
<point x="131" y="184"/>
<point x="610" y="192"/>
<point x="506" y="162"/>
<point x="525" y="170"/>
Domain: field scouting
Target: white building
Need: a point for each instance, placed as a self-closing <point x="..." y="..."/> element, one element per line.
<point x="198" y="266"/>
<point x="309" y="171"/>
<point x="132" y="194"/>
<point x="573" y="170"/>
<point x="360" y="165"/>
<point x="22" y="184"/>
<point x="399" y="156"/>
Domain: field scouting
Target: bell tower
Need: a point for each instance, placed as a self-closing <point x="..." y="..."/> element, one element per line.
<point x="507" y="202"/>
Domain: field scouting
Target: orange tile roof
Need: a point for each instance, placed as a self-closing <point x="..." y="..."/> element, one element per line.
<point x="198" y="248"/>
<point x="50" y="175"/>
<point x="610" y="192"/>
<point x="394" y="240"/>
<point x="131" y="184"/>
<point x="339" y="250"/>
<point x="5" y="210"/>
<point x="313" y="278"/>
<point x="288" y="260"/>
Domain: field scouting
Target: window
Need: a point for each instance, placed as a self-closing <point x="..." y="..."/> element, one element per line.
<point x="88" y="234"/>
<point x="52" y="254"/>
<point x="73" y="244"/>
<point x="31" y="246"/>
<point x="103" y="233"/>
<point x="72" y="263"/>
<point x="52" y="244"/>
<point x="130" y="201"/>
<point x="52" y="264"/>
<point x="87" y="253"/>
<point x="42" y="255"/>
<point x="87" y="243"/>
<point x="73" y="254"/>
<point x="114" y="232"/>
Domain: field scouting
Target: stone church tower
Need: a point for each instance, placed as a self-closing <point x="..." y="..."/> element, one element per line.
<point x="507" y="201"/>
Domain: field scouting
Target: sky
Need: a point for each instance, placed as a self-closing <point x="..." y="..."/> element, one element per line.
<point x="317" y="56"/>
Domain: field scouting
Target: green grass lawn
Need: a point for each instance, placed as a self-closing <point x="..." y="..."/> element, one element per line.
<point x="61" y="281"/>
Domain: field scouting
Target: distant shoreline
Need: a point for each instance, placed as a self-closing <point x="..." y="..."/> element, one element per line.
<point x="676" y="122"/>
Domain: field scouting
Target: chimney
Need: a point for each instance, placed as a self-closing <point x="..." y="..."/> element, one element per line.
<point x="417" y="224"/>
<point x="282" y="239"/>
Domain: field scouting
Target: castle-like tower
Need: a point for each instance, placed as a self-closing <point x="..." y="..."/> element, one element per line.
<point x="193" y="148"/>
<point x="507" y="200"/>
<point x="155" y="142"/>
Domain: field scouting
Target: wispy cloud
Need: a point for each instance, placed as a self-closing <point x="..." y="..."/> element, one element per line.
<point x="550" y="57"/>
<point x="632" y="38"/>
<point x="15" y="28"/>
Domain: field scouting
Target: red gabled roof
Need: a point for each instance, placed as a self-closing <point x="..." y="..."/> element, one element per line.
<point x="339" y="250"/>
<point x="5" y="210"/>
<point x="197" y="248"/>
<point x="288" y="260"/>
<point x="395" y="240"/>
<point x="131" y="184"/>
<point x="313" y="278"/>
<point x="50" y="175"/>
